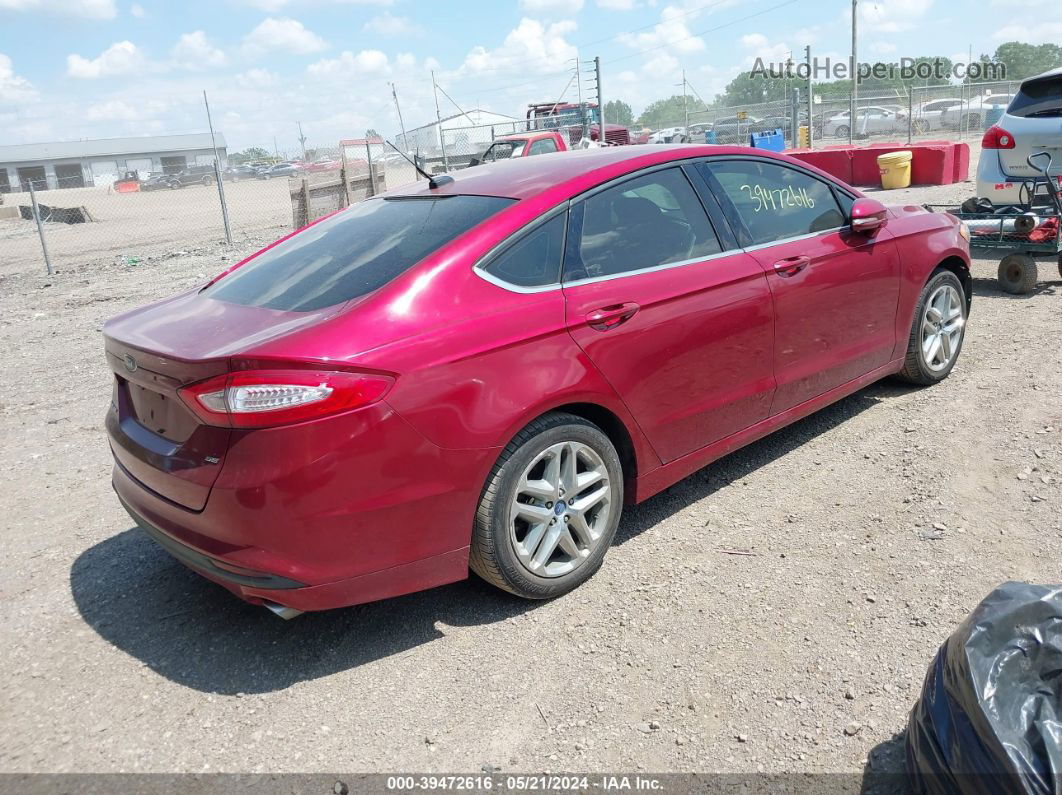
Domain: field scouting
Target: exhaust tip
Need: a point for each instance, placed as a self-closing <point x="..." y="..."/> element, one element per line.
<point x="286" y="613"/>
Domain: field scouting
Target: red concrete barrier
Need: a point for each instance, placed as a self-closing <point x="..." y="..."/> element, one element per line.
<point x="837" y="162"/>
<point x="932" y="162"/>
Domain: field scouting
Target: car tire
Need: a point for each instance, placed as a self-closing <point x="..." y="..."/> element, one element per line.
<point x="841" y="131"/>
<point x="973" y="122"/>
<point x="208" y="180"/>
<point x="174" y="185"/>
<point x="1060" y="265"/>
<point x="1017" y="274"/>
<point x="937" y="330"/>
<point x="543" y="560"/>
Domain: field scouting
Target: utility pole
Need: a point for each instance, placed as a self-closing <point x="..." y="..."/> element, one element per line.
<point x="685" y="105"/>
<point x="583" y="118"/>
<point x="401" y="124"/>
<point x="855" y="76"/>
<point x="302" y="141"/>
<point x="438" y="119"/>
<point x="811" y="102"/>
<point x="217" y="174"/>
<point x="600" y="101"/>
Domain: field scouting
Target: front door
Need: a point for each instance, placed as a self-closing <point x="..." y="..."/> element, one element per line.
<point x="681" y="328"/>
<point x="835" y="292"/>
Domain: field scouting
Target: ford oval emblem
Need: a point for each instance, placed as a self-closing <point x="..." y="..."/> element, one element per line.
<point x="130" y="363"/>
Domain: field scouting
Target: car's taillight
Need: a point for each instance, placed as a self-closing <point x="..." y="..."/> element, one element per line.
<point x="264" y="398"/>
<point x="997" y="138"/>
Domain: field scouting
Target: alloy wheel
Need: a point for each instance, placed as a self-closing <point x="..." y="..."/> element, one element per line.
<point x="942" y="327"/>
<point x="560" y="509"/>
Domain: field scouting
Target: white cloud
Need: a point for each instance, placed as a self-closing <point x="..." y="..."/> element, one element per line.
<point x="556" y="7"/>
<point x="272" y="6"/>
<point x="12" y="87"/>
<point x="894" y="16"/>
<point x="617" y="5"/>
<point x="285" y="35"/>
<point x="882" y="48"/>
<point x="257" y="78"/>
<point x="137" y="11"/>
<point x="671" y="33"/>
<point x="386" y="24"/>
<point x="194" y="51"/>
<point x="754" y="40"/>
<point x="530" y="47"/>
<point x="92" y="9"/>
<point x="1039" y="33"/>
<point x="120" y="58"/>
<point x="365" y="62"/>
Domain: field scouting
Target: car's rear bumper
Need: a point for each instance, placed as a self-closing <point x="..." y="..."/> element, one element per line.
<point x="360" y="508"/>
<point x="999" y="187"/>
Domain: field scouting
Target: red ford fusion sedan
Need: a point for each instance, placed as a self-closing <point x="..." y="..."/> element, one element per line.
<point x="480" y="374"/>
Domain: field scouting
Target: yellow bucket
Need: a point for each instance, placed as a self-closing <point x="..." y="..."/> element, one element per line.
<point x="895" y="168"/>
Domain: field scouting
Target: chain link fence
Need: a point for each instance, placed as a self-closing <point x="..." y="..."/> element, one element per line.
<point x="131" y="209"/>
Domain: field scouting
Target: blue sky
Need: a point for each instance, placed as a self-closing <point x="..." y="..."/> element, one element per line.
<point x="99" y="68"/>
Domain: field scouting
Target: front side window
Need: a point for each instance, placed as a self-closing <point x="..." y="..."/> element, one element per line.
<point x="775" y="202"/>
<point x="644" y="222"/>
<point x="352" y="253"/>
<point x="534" y="260"/>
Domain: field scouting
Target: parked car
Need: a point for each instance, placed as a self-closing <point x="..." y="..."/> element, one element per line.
<point x="931" y="115"/>
<point x="669" y="135"/>
<point x="973" y="113"/>
<point x="237" y="173"/>
<point x="870" y="120"/>
<point x="731" y="129"/>
<point x="481" y="373"/>
<point x="278" y="170"/>
<point x="1031" y="123"/>
<point x="196" y="175"/>
<point x="161" y="182"/>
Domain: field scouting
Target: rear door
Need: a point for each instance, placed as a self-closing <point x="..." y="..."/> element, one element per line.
<point x="676" y="317"/>
<point x="835" y="292"/>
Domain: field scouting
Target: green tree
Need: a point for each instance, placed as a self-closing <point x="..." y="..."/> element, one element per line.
<point x="1023" y="60"/>
<point x="247" y="155"/>
<point x="617" y="112"/>
<point x="371" y="133"/>
<point x="670" y="112"/>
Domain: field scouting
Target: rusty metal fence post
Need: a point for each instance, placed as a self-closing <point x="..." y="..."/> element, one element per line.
<point x="40" y="227"/>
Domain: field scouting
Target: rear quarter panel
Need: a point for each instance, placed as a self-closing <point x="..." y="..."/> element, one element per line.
<point x="923" y="240"/>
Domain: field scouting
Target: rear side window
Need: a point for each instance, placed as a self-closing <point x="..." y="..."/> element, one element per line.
<point x="1038" y="98"/>
<point x="644" y="222"/>
<point x="535" y="259"/>
<point x="353" y="252"/>
<point x="776" y="202"/>
<point x="543" y="146"/>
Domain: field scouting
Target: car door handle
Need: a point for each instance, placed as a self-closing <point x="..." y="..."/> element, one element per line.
<point x="608" y="317"/>
<point x="791" y="265"/>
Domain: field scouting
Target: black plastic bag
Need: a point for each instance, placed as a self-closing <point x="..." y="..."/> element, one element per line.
<point x="989" y="719"/>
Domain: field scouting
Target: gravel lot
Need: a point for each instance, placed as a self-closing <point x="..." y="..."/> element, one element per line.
<point x="872" y="529"/>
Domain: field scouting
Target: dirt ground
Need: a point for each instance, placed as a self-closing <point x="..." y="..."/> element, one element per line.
<point x="874" y="527"/>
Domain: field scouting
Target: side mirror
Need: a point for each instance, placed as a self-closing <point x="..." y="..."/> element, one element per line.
<point x="475" y="161"/>
<point x="868" y="216"/>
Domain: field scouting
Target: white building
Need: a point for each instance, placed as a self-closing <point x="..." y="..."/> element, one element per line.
<point x="462" y="134"/>
<point x="78" y="164"/>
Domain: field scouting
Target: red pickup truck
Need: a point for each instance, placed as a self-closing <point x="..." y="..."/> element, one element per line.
<point x="538" y="142"/>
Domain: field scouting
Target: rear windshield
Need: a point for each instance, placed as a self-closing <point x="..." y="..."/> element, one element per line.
<point x="1038" y="98"/>
<point x="353" y="252"/>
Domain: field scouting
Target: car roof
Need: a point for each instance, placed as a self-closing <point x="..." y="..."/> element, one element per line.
<point x="568" y="172"/>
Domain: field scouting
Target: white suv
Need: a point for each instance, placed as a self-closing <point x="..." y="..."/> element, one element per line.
<point x="1032" y="123"/>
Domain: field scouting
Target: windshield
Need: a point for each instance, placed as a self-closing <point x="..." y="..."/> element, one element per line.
<point x="1038" y="98"/>
<point x="352" y="253"/>
<point x="503" y="150"/>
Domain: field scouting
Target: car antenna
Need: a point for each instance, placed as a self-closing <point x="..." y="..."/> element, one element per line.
<point x="433" y="182"/>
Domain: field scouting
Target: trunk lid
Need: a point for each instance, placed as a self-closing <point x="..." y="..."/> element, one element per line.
<point x="155" y="350"/>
